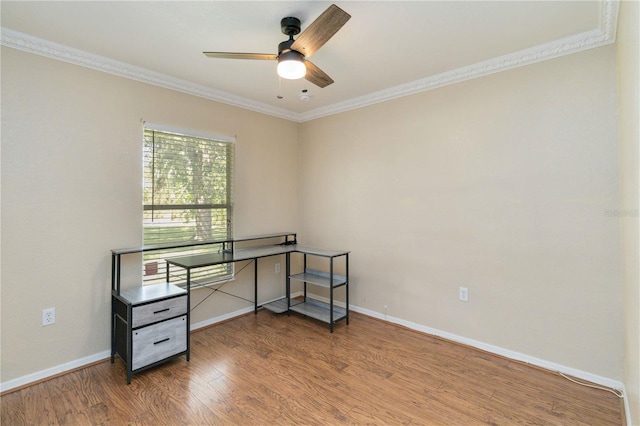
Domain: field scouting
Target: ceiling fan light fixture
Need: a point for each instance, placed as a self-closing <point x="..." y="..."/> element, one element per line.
<point x="291" y="65"/>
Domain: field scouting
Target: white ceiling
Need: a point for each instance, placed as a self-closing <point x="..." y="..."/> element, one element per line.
<point x="387" y="49"/>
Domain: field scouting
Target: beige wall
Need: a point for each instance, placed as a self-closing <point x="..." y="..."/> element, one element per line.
<point x="500" y="184"/>
<point x="628" y="50"/>
<point x="71" y="164"/>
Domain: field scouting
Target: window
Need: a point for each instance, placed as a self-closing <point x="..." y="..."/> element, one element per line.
<point x="187" y="197"/>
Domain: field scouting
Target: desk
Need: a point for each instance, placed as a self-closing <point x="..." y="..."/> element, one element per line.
<point x="150" y="324"/>
<point x="328" y="313"/>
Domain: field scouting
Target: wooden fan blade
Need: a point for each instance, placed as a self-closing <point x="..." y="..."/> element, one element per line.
<point x="320" y="30"/>
<point x="316" y="76"/>
<point x="233" y="55"/>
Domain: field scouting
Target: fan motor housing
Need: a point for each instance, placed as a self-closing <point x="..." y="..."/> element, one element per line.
<point x="290" y="26"/>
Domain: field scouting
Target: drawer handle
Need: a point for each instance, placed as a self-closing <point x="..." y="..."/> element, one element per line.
<point x="160" y="341"/>
<point x="161" y="310"/>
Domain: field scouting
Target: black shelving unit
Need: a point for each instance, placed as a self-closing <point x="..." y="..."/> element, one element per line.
<point x="322" y="311"/>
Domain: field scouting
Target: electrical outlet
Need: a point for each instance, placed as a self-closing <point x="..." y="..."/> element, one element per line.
<point x="464" y="294"/>
<point x="277" y="268"/>
<point x="48" y="316"/>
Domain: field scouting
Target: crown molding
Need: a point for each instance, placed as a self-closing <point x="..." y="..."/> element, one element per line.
<point x="606" y="34"/>
<point x="38" y="46"/>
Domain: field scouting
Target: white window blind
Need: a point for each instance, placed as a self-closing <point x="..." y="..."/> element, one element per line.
<point x="187" y="197"/>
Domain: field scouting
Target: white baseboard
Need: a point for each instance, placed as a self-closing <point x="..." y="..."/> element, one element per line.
<point x="53" y="371"/>
<point x="517" y="356"/>
<point x="100" y="356"/>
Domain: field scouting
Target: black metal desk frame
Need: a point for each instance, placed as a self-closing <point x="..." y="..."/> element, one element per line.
<point x="328" y="313"/>
<point x="229" y="253"/>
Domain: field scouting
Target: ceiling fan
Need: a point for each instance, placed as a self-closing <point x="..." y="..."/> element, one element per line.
<point x="292" y="54"/>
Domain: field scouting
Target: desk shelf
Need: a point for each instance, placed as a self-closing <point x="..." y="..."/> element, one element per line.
<point x="278" y="306"/>
<point x="320" y="278"/>
<point x="319" y="310"/>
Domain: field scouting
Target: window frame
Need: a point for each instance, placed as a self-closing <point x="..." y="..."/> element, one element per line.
<point x="153" y="270"/>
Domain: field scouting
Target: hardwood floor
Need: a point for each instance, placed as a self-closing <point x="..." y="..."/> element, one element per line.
<point x="272" y="369"/>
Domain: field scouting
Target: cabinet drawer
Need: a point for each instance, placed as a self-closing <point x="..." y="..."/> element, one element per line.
<point x="158" y="311"/>
<point x="158" y="341"/>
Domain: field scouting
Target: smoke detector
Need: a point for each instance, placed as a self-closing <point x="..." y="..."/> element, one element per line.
<point x="304" y="95"/>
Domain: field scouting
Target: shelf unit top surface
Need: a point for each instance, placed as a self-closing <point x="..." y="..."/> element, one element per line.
<point x="150" y="293"/>
<point x="316" y="251"/>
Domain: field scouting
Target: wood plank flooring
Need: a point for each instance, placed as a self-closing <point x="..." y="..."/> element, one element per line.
<point x="269" y="369"/>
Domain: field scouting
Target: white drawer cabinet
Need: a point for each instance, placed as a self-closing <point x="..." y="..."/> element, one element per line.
<point x="151" y="326"/>
<point x="158" y="311"/>
<point x="159" y="341"/>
